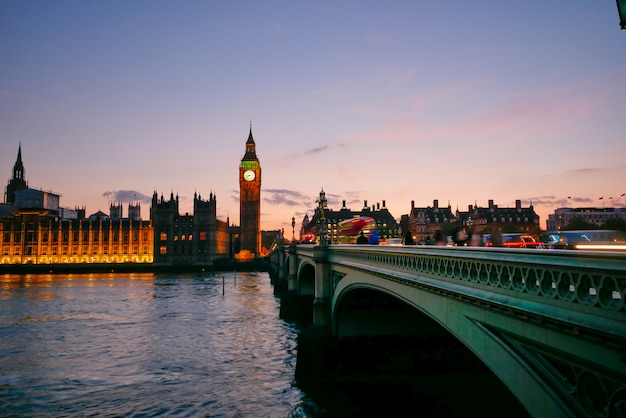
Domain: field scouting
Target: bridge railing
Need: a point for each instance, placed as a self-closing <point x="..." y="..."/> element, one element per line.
<point x="592" y="285"/>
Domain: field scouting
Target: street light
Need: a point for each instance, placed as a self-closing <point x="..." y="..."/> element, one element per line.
<point x="293" y="228"/>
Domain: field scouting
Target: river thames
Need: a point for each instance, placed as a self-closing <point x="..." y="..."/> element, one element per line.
<point x="146" y="345"/>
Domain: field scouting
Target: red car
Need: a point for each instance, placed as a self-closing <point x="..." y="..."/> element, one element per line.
<point x="520" y="241"/>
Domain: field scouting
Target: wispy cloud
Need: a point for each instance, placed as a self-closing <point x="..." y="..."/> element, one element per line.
<point x="316" y="150"/>
<point x="286" y="197"/>
<point x="131" y="196"/>
<point x="584" y="170"/>
<point x="552" y="112"/>
<point x="558" y="201"/>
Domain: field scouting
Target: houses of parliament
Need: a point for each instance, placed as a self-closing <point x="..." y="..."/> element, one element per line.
<point x="35" y="229"/>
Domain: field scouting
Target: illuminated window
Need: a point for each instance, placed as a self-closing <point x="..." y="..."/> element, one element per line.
<point x="175" y="237"/>
<point x="190" y="237"/>
<point x="163" y="236"/>
<point x="182" y="237"/>
<point x="202" y="235"/>
<point x="162" y="249"/>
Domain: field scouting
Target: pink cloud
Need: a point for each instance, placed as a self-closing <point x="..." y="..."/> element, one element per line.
<point x="550" y="112"/>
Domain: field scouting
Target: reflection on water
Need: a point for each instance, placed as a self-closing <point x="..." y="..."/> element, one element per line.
<point x="144" y="344"/>
<point x="152" y="345"/>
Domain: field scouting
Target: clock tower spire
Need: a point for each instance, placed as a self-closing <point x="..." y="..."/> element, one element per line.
<point x="250" y="199"/>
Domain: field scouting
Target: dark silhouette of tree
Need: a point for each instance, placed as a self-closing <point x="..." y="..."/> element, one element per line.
<point x="579" y="223"/>
<point x="615" y="225"/>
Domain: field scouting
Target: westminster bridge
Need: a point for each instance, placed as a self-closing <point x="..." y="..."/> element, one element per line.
<point x="550" y="324"/>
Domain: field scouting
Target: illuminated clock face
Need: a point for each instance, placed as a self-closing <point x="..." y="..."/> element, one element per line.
<point x="248" y="175"/>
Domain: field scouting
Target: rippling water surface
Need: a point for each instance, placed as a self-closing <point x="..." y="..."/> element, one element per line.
<point x="146" y="345"/>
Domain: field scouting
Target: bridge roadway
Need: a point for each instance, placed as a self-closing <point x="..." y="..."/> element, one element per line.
<point x="550" y="324"/>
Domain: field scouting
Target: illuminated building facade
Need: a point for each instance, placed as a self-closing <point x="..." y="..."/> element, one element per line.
<point x="424" y="222"/>
<point x="35" y="229"/>
<point x="37" y="234"/>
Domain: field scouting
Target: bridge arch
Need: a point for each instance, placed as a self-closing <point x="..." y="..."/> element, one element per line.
<point x="425" y="315"/>
<point x="306" y="279"/>
<point x="370" y="309"/>
<point x="549" y="324"/>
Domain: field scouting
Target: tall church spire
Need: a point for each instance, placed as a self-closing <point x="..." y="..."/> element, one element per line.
<point x="17" y="182"/>
<point x="18" y="168"/>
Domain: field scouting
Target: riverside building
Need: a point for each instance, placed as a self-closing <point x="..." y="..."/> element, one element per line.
<point x="595" y="216"/>
<point x="327" y="220"/>
<point x="35" y="229"/>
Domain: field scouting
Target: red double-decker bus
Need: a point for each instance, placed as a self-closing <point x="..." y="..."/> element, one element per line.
<point x="349" y="230"/>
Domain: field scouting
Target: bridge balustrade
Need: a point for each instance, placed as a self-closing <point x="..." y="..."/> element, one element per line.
<point x="588" y="282"/>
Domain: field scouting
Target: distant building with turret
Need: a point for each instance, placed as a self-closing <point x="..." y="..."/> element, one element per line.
<point x="424" y="222"/>
<point x="329" y="219"/>
<point x="198" y="239"/>
<point x="495" y="218"/>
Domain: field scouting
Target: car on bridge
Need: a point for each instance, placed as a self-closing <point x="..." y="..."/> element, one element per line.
<point x="520" y="241"/>
<point x="514" y="240"/>
<point x="595" y="240"/>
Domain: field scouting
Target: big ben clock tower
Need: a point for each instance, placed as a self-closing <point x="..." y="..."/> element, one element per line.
<point x="250" y="199"/>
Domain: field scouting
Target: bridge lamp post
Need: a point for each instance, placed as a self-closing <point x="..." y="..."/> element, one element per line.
<point x="293" y="228"/>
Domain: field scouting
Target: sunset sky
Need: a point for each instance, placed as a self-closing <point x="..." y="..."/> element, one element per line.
<point x="398" y="101"/>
